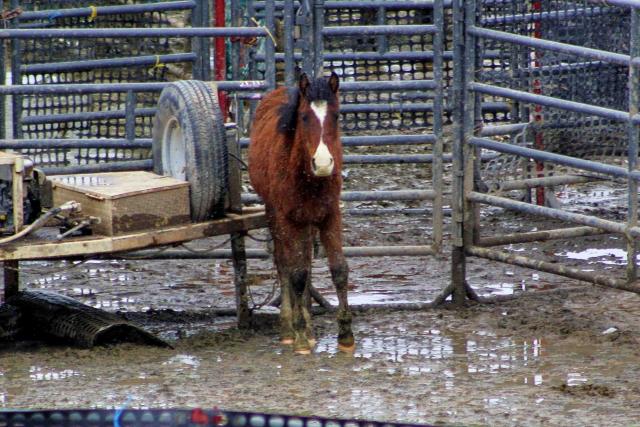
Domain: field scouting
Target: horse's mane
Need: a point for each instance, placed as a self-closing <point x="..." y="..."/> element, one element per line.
<point x="318" y="90"/>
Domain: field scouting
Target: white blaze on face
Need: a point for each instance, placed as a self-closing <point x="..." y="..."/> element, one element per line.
<point x="322" y="161"/>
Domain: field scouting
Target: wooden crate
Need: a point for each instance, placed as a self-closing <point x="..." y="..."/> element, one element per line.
<point x="125" y="201"/>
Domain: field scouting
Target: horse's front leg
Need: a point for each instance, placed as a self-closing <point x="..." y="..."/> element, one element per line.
<point x="331" y="237"/>
<point x="293" y="249"/>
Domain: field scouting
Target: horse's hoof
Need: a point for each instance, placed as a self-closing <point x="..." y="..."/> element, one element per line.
<point x="349" y="349"/>
<point x="286" y="341"/>
<point x="303" y="351"/>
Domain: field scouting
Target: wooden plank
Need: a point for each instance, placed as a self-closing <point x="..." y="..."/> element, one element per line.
<point x="126" y="242"/>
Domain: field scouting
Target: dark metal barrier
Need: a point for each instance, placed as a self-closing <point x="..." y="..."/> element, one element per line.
<point x="574" y="96"/>
<point x="174" y="418"/>
<point x="88" y="73"/>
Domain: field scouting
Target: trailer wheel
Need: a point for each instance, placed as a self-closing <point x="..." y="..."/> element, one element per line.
<point x="189" y="143"/>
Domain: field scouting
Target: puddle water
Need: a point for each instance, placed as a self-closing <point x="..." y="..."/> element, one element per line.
<point x="467" y="355"/>
<point x="610" y="256"/>
<point x="38" y="373"/>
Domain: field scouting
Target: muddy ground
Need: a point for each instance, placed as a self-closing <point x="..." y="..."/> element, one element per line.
<point x="552" y="357"/>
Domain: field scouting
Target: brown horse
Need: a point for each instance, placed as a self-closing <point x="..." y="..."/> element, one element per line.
<point x="295" y="162"/>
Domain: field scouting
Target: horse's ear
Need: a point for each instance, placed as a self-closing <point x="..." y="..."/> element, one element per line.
<point x="303" y="84"/>
<point x="334" y="82"/>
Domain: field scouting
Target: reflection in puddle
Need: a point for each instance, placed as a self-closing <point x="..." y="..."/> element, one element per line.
<point x="37" y="373"/>
<point x="475" y="354"/>
<point x="614" y="256"/>
<point x="576" y="378"/>
<point x="183" y="359"/>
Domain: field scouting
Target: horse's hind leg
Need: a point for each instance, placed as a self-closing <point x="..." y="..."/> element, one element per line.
<point x="331" y="237"/>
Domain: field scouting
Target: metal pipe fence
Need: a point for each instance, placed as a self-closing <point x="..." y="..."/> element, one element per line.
<point x="554" y="94"/>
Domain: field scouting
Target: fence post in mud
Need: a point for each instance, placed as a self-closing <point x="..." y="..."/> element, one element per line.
<point x="238" y="250"/>
<point x="458" y="257"/>
<point x="634" y="136"/>
<point x="437" y="167"/>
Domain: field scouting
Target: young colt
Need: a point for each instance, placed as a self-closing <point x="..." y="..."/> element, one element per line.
<point x="295" y="162"/>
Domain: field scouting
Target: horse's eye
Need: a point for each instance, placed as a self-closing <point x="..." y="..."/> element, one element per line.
<point x="336" y="115"/>
<point x="305" y="118"/>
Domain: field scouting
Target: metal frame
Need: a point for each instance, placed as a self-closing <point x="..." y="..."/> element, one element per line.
<point x="468" y="36"/>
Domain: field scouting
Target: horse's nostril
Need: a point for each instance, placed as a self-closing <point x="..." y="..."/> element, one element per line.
<point x="313" y="163"/>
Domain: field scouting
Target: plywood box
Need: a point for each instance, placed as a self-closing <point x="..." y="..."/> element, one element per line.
<point x="125" y="201"/>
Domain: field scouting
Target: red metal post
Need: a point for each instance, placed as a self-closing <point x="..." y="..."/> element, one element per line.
<point x="537" y="115"/>
<point x="220" y="58"/>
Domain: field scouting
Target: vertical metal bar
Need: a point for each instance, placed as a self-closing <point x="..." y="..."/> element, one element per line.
<point x="130" y="116"/>
<point x="206" y="45"/>
<point x="634" y="137"/>
<point x="458" y="257"/>
<point x="16" y="78"/>
<point x="252" y="63"/>
<point x="469" y="114"/>
<point x="381" y="18"/>
<point x="220" y="59"/>
<point x="306" y="29"/>
<point x="318" y="40"/>
<point x="537" y="115"/>
<point x="237" y="61"/>
<point x="3" y="98"/>
<point x="270" y="49"/>
<point x="438" y="49"/>
<point x="196" y="42"/>
<point x="289" y="60"/>
<point x="238" y="249"/>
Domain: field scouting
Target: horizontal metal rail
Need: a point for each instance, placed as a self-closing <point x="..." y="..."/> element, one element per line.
<point x="601" y="55"/>
<point x="548" y="15"/>
<point x="80" y="88"/>
<point x="528" y="208"/>
<point x="386" y="108"/>
<point x="25" y="144"/>
<point x="560" y="68"/>
<point x="91" y="64"/>
<point x="367" y="196"/>
<point x="85" y="116"/>
<point x="496" y="130"/>
<point x="371" y="30"/>
<point x="540" y="236"/>
<point x="129" y="165"/>
<point x="391" y="85"/>
<point x="402" y="158"/>
<point x="554" y="268"/>
<point x="100" y="33"/>
<point x="107" y="10"/>
<point x="349" y="251"/>
<point x="425" y="55"/>
<point x="624" y="3"/>
<point x="549" y="101"/>
<point x="374" y="140"/>
<point x="561" y="159"/>
<point x="547" y="181"/>
<point x="376" y="4"/>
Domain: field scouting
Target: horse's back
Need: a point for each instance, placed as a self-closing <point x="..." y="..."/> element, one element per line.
<point x="266" y="139"/>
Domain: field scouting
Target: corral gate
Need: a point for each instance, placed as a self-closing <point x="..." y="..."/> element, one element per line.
<point x="569" y="71"/>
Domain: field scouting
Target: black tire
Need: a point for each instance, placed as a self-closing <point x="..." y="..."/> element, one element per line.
<point x="189" y="142"/>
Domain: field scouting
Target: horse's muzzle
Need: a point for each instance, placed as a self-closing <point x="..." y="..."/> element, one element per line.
<point x="322" y="169"/>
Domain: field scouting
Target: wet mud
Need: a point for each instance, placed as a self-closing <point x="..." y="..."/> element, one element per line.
<point x="565" y="353"/>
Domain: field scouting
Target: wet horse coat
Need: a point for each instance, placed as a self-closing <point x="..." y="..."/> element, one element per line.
<point x="295" y="163"/>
